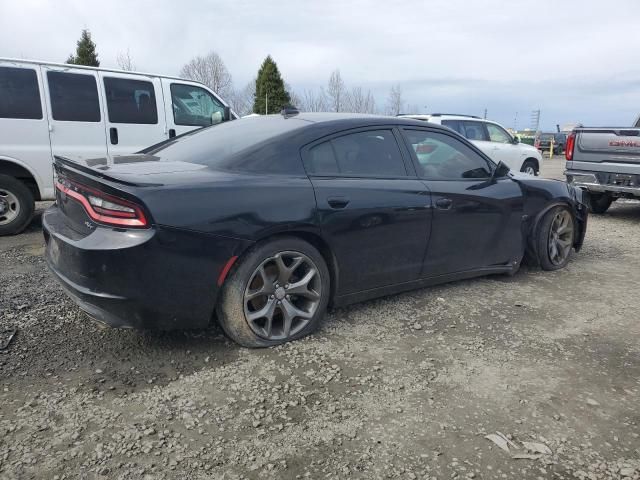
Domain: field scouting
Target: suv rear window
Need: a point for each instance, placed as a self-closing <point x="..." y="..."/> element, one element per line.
<point x="19" y="94"/>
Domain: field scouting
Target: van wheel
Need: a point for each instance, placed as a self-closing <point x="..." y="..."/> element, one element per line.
<point x="600" y="202"/>
<point x="16" y="205"/>
<point x="530" y="167"/>
<point x="277" y="293"/>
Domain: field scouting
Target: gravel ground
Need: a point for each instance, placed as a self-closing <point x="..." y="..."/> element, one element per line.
<point x="403" y="387"/>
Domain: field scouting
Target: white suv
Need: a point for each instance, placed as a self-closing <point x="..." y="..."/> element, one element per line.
<point x="492" y="138"/>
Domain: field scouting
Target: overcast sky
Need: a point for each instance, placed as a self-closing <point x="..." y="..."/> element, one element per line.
<point x="573" y="60"/>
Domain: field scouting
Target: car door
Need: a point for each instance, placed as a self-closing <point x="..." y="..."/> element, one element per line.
<point x="372" y="209"/>
<point x="476" y="222"/>
<point x="135" y="116"/>
<point x="74" y="107"/>
<point x="190" y="106"/>
<point x="504" y="148"/>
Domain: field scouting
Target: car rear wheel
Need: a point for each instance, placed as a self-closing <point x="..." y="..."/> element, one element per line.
<point x="16" y="205"/>
<point x="600" y="202"/>
<point x="529" y="167"/>
<point x="555" y="237"/>
<point x="278" y="292"/>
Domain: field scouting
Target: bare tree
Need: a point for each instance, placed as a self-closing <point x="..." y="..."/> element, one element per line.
<point x="395" y="100"/>
<point x="294" y="99"/>
<point x="336" y="92"/>
<point x="314" y="101"/>
<point x="211" y="71"/>
<point x="241" y="101"/>
<point x="357" y="101"/>
<point x="125" y="62"/>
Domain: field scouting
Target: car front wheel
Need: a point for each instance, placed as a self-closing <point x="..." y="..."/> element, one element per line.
<point x="529" y="167"/>
<point x="554" y="238"/>
<point x="277" y="293"/>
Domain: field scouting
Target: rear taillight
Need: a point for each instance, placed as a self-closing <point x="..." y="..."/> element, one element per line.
<point x="104" y="208"/>
<point x="568" y="149"/>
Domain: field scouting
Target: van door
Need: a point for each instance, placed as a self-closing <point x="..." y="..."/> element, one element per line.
<point x="190" y="106"/>
<point x="76" y="122"/>
<point x="135" y="117"/>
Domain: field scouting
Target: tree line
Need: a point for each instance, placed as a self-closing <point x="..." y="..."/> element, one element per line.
<point x="267" y="92"/>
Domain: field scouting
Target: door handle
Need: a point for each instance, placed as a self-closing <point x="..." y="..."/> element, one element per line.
<point x="444" y="203"/>
<point x="338" y="202"/>
<point x="172" y="132"/>
<point x="113" y="134"/>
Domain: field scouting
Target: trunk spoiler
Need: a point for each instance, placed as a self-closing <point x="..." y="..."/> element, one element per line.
<point x="68" y="164"/>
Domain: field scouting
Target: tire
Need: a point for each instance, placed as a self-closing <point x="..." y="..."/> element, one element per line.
<point x="544" y="236"/>
<point x="530" y="166"/>
<point x="258" y="271"/>
<point x="16" y="205"/>
<point x="600" y="202"/>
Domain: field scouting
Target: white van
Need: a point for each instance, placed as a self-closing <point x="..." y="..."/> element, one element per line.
<point x="83" y="112"/>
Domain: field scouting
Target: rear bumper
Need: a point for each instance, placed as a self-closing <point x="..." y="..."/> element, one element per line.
<point x="621" y="184"/>
<point x="160" y="278"/>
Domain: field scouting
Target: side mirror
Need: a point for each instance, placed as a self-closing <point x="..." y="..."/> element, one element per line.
<point x="500" y="171"/>
<point x="516" y="139"/>
<point x="226" y="114"/>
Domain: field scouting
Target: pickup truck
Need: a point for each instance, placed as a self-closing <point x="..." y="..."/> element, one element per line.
<point x="605" y="162"/>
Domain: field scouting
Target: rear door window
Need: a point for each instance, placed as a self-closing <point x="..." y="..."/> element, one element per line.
<point x="19" y="93"/>
<point x="74" y="97"/>
<point x="194" y="106"/>
<point x="475" y="130"/>
<point x="130" y="101"/>
<point x="454" y="125"/>
<point x="372" y="153"/>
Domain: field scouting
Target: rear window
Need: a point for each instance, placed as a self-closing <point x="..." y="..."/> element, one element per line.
<point x="238" y="145"/>
<point x="19" y="93"/>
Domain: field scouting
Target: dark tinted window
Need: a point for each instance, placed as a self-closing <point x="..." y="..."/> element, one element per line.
<point x="194" y="106"/>
<point x="370" y="153"/>
<point x="475" y="130"/>
<point x="248" y="145"/>
<point x="130" y="101"/>
<point x="19" y="93"/>
<point x="442" y="157"/>
<point x="74" y="97"/>
<point x="454" y="125"/>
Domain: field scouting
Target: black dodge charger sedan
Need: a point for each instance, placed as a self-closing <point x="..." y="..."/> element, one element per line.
<point x="263" y="222"/>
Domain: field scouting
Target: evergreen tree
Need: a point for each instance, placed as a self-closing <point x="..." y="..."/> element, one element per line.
<point x="271" y="95"/>
<point x="85" y="51"/>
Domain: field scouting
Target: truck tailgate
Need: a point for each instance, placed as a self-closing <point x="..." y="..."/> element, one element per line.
<point x="608" y="145"/>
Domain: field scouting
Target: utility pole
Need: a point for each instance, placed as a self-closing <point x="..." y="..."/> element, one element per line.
<point x="485" y="113"/>
<point x="515" y="123"/>
<point x="266" y="104"/>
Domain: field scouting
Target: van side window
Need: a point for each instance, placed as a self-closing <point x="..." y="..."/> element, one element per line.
<point x="19" y="94"/>
<point x="194" y="106"/>
<point x="74" y="97"/>
<point x="130" y="101"/>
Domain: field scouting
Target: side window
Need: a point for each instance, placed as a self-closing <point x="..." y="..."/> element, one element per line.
<point x="194" y="106"/>
<point x="442" y="157"/>
<point x="498" y="134"/>
<point x="19" y="94"/>
<point x="454" y="125"/>
<point x="475" y="131"/>
<point x="369" y="153"/>
<point x="74" y="97"/>
<point x="130" y="101"/>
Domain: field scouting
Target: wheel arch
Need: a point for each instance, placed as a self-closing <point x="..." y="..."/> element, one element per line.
<point x="313" y="237"/>
<point x="533" y="228"/>
<point x="535" y="161"/>
<point x="22" y="173"/>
